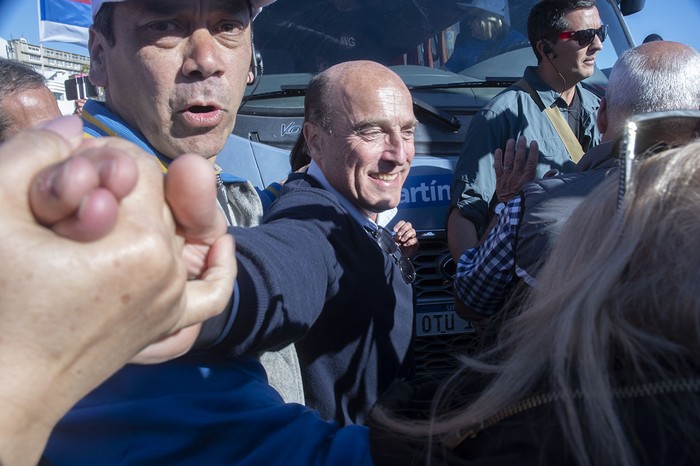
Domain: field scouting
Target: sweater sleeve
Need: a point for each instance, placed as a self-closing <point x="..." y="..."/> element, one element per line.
<point x="287" y="269"/>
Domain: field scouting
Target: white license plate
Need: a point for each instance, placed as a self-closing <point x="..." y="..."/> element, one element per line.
<point x="443" y="322"/>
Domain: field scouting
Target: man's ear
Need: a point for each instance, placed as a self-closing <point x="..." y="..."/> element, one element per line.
<point x="602" y="118"/>
<point x="251" y="77"/>
<point x="96" y="47"/>
<point x="313" y="137"/>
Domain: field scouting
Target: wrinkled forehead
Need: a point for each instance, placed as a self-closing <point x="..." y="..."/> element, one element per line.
<point x="171" y="7"/>
<point x="254" y="6"/>
<point x="387" y="99"/>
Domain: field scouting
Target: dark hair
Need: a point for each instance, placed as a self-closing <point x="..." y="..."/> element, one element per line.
<point x="104" y="22"/>
<point x="299" y="156"/>
<point x="546" y="20"/>
<point x="14" y="77"/>
<point x="316" y="110"/>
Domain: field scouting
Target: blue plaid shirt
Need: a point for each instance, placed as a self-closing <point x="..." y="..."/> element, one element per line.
<point x="486" y="273"/>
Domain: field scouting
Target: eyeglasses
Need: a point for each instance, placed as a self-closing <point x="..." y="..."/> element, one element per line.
<point x="386" y="241"/>
<point x="585" y="37"/>
<point x="628" y="145"/>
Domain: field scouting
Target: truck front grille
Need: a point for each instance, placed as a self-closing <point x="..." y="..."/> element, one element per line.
<point x="440" y="333"/>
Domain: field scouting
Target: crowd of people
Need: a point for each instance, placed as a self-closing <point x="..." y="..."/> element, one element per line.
<point x="184" y="319"/>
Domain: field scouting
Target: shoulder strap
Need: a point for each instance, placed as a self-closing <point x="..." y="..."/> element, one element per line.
<point x="573" y="147"/>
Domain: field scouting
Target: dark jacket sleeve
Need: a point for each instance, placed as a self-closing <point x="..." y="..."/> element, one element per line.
<point x="286" y="271"/>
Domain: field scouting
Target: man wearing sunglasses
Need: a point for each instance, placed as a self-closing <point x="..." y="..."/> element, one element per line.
<point x="548" y="105"/>
<point x="652" y="77"/>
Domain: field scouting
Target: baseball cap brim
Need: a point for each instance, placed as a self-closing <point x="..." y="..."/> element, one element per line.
<point x="257" y="5"/>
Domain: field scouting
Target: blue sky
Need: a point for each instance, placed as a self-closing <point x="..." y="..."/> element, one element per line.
<point x="676" y="20"/>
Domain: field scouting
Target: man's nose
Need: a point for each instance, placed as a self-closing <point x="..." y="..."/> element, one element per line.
<point x="399" y="147"/>
<point x="597" y="44"/>
<point x="202" y="55"/>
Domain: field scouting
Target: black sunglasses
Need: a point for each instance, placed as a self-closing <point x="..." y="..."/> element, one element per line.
<point x="585" y="37"/>
<point x="386" y="241"/>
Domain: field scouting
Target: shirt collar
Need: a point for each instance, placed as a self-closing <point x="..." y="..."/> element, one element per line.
<point x="99" y="121"/>
<point x="547" y="94"/>
<point x="383" y="218"/>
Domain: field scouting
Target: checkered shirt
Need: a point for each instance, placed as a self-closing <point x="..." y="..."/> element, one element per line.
<point x="486" y="273"/>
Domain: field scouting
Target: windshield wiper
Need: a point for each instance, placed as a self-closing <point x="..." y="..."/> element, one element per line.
<point x="286" y="90"/>
<point x="296" y="90"/>
<point x="489" y="82"/>
<point x="443" y="117"/>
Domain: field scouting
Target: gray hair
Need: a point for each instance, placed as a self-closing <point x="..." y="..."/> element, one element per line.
<point x="629" y="298"/>
<point x="653" y="77"/>
<point x="318" y="101"/>
<point x="628" y="302"/>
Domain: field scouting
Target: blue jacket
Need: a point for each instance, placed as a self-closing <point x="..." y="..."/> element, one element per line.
<point x="199" y="410"/>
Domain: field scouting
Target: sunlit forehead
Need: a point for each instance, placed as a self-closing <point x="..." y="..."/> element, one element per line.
<point x="239" y="9"/>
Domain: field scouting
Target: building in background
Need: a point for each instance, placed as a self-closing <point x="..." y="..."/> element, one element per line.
<point x="55" y="65"/>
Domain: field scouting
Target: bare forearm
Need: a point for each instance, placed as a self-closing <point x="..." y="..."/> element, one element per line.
<point x="31" y="402"/>
<point x="461" y="234"/>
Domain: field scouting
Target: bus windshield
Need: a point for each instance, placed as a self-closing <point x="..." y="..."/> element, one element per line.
<point x="467" y="39"/>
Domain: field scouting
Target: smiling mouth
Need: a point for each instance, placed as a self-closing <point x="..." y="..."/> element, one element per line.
<point x="384" y="176"/>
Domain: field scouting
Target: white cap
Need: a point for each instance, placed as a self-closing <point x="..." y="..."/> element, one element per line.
<point x="499" y="7"/>
<point x="257" y="5"/>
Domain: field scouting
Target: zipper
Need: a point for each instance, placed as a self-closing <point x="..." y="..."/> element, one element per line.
<point x="218" y="170"/>
<point x="222" y="197"/>
<point x="635" y="391"/>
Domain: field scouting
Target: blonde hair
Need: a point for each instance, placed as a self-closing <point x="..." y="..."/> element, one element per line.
<point x="617" y="287"/>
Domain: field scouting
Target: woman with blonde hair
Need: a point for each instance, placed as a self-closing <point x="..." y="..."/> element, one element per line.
<point x="601" y="366"/>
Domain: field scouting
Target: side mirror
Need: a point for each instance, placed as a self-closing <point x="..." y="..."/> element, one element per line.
<point x="628" y="7"/>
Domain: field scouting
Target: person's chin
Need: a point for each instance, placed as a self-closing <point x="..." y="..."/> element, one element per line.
<point x="205" y="144"/>
<point x="196" y="139"/>
<point x="587" y="69"/>
<point x="384" y="204"/>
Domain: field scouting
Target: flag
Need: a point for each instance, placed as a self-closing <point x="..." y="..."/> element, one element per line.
<point x="65" y="21"/>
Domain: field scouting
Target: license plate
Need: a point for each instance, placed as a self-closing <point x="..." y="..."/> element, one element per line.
<point x="441" y="321"/>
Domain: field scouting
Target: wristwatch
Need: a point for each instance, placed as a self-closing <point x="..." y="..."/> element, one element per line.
<point x="499" y="208"/>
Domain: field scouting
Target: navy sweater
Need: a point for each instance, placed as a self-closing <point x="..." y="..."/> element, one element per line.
<point x="311" y="274"/>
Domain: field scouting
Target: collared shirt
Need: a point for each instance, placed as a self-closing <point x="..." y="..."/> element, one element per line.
<point x="383" y="218"/>
<point x="485" y="275"/>
<point x="99" y="121"/>
<point x="511" y="114"/>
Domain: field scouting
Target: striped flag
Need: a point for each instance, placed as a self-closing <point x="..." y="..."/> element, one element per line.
<point x="65" y="21"/>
